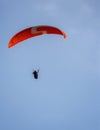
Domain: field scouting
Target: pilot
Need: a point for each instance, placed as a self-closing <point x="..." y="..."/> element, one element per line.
<point x="35" y="73"/>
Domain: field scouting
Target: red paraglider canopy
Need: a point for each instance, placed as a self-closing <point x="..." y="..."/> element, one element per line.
<point x="32" y="32"/>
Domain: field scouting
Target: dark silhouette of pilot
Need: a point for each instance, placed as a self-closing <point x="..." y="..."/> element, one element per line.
<point x="35" y="73"/>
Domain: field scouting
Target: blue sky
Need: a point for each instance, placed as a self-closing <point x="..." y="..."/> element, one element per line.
<point x="66" y="95"/>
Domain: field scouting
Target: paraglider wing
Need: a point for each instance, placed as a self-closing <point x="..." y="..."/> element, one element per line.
<point x="32" y="32"/>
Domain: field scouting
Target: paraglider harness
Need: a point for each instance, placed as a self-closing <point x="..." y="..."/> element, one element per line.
<point x="35" y="73"/>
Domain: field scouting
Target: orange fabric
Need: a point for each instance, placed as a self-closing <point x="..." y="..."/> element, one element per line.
<point x="26" y="34"/>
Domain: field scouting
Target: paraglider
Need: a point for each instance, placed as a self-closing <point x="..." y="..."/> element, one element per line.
<point x="32" y="32"/>
<point x="35" y="73"/>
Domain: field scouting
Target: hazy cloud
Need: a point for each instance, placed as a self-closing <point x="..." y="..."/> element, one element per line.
<point x="48" y="8"/>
